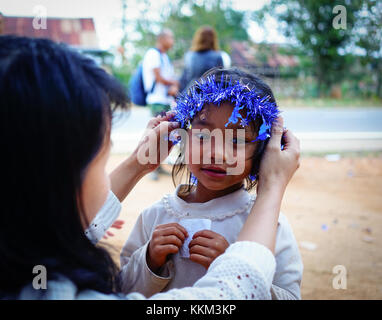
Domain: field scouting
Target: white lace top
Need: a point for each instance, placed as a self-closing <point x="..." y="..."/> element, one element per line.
<point x="228" y="214"/>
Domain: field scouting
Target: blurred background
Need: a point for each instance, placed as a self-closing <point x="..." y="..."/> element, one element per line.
<point x="324" y="66"/>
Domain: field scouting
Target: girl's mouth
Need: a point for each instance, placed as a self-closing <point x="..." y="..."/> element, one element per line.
<point x="215" y="172"/>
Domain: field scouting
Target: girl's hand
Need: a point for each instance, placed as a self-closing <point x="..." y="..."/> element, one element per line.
<point x="206" y="246"/>
<point x="155" y="146"/>
<point x="278" y="166"/>
<point x="166" y="239"/>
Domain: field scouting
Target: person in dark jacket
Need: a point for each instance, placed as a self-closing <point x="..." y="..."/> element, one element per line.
<point x="203" y="55"/>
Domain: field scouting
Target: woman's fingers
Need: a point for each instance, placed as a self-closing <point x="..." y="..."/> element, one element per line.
<point x="118" y="224"/>
<point x="277" y="131"/>
<point x="291" y="141"/>
<point x="154" y="122"/>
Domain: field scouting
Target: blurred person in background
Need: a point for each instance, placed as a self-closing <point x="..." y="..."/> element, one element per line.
<point x="203" y="55"/>
<point x="158" y="74"/>
<point x="159" y="79"/>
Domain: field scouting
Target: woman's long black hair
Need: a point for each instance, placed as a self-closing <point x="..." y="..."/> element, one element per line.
<point x="55" y="110"/>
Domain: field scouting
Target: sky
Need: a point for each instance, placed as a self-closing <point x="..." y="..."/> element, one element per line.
<point x="107" y="15"/>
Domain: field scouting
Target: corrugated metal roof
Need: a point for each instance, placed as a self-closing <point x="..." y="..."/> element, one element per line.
<point x="79" y="32"/>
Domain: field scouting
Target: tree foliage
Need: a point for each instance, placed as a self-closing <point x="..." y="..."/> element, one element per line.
<point x="369" y="37"/>
<point x="310" y="24"/>
<point x="184" y="17"/>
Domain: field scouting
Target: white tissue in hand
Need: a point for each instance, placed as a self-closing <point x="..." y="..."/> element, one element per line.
<point x="192" y="226"/>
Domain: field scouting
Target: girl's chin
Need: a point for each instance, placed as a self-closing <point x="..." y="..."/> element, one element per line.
<point x="217" y="185"/>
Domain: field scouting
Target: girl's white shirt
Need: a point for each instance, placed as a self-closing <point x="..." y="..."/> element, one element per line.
<point x="228" y="214"/>
<point x="244" y="271"/>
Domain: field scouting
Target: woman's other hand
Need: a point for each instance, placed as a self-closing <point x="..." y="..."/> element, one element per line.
<point x="278" y="166"/>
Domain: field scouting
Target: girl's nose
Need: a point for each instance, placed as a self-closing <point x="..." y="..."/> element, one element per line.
<point x="216" y="151"/>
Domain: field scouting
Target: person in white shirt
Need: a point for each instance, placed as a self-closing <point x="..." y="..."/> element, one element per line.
<point x="159" y="80"/>
<point x="158" y="75"/>
<point x="155" y="257"/>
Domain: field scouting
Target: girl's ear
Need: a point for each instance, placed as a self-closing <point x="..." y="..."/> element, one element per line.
<point x="256" y="160"/>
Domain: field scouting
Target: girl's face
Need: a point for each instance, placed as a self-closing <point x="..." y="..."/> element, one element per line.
<point x="96" y="185"/>
<point x="212" y="161"/>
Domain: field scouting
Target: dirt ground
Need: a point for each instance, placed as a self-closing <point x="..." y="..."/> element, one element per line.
<point x="335" y="209"/>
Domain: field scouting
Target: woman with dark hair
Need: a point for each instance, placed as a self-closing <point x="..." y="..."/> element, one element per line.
<point x="56" y="110"/>
<point x="203" y="55"/>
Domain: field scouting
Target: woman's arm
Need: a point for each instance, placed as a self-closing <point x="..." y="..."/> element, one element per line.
<point x="130" y="171"/>
<point x="276" y="169"/>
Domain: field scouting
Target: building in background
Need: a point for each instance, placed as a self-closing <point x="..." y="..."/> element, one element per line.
<point x="79" y="33"/>
<point x="262" y="58"/>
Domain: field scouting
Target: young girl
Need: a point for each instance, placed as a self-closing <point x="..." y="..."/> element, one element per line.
<point x="163" y="250"/>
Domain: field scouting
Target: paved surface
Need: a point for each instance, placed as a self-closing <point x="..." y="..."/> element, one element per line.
<point x="319" y="130"/>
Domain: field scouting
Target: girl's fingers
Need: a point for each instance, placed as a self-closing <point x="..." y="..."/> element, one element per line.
<point x="201" y="241"/>
<point x="166" y="240"/>
<point x="203" y="251"/>
<point x="206" y="234"/>
<point x="204" y="261"/>
<point x="168" y="248"/>
<point x="169" y="227"/>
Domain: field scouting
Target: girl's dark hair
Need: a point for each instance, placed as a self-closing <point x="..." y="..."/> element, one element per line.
<point x="233" y="74"/>
<point x="55" y="112"/>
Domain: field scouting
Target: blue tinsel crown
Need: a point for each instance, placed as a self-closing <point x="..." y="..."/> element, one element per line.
<point x="208" y="91"/>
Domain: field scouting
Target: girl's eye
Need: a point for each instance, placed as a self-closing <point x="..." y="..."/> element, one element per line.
<point x="239" y="141"/>
<point x="201" y="136"/>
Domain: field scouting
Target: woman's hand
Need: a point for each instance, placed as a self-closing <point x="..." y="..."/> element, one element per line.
<point x="206" y="246"/>
<point x="278" y="166"/>
<point x="118" y="224"/>
<point x="276" y="169"/>
<point x="153" y="148"/>
<point x="166" y="239"/>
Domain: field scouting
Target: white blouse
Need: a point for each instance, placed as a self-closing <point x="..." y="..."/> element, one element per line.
<point x="227" y="215"/>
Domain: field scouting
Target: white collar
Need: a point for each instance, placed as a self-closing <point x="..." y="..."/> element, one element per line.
<point x="216" y="209"/>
